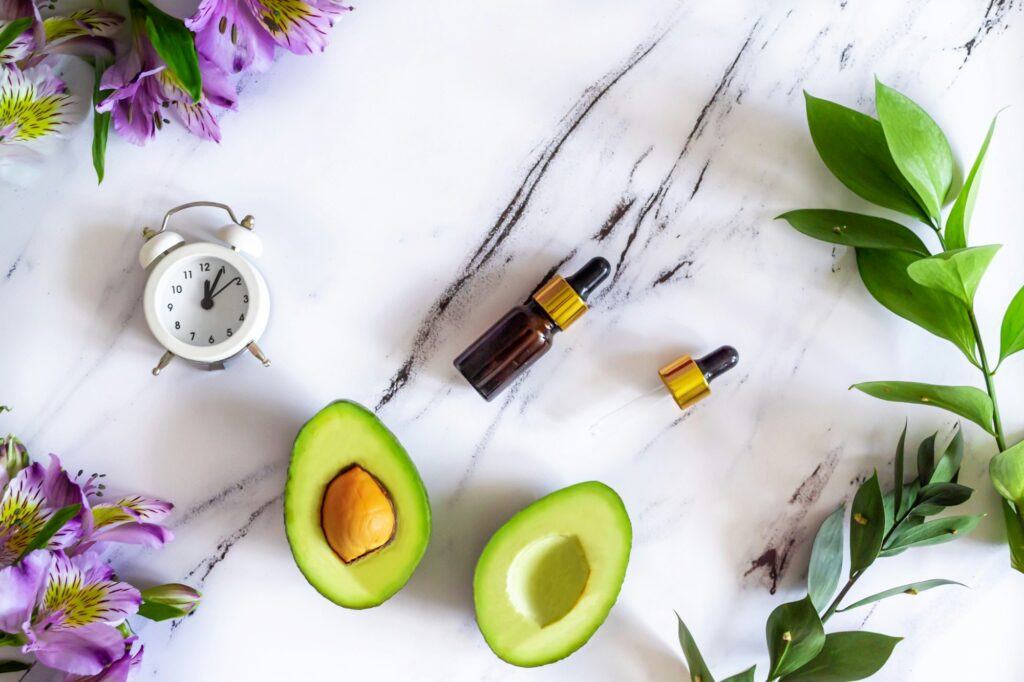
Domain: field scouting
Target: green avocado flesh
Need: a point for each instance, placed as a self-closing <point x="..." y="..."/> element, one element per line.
<point x="338" y="439"/>
<point x="548" y="578"/>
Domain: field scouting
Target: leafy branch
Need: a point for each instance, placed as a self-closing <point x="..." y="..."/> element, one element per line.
<point x="903" y="162"/>
<point x="880" y="526"/>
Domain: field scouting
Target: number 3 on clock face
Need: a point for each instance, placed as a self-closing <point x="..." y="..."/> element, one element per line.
<point x="205" y="303"/>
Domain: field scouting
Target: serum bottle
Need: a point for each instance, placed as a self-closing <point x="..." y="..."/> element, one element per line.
<point x="526" y="332"/>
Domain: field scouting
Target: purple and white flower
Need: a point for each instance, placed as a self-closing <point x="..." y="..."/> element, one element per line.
<point x="239" y="35"/>
<point x="28" y="502"/>
<point x="62" y="602"/>
<point x="143" y="88"/>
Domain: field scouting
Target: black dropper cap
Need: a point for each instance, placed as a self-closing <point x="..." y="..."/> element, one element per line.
<point x="587" y="278"/>
<point x="718" y="362"/>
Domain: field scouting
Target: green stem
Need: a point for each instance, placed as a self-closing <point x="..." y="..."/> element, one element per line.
<point x="831" y="610"/>
<point x="834" y="606"/>
<point x="990" y="385"/>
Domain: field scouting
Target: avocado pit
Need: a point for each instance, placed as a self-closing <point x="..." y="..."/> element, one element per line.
<point x="357" y="515"/>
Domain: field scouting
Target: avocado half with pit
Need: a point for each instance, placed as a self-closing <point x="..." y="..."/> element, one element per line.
<point x="355" y="509"/>
<point x="547" y="579"/>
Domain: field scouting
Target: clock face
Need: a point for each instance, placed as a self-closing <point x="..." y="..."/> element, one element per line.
<point x="202" y="300"/>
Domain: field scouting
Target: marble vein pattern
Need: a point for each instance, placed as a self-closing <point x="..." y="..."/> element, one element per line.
<point x="431" y="169"/>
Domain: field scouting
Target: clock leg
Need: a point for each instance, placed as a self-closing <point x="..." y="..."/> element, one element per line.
<point x="255" y="350"/>
<point x="165" y="360"/>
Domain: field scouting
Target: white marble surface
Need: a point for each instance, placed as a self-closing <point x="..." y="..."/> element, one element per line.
<point x="418" y="179"/>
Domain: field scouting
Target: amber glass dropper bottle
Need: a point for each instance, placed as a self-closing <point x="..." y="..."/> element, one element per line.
<point x="526" y="332"/>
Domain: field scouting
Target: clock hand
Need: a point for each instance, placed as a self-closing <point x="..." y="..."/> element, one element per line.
<point x="207" y="301"/>
<point x="226" y="285"/>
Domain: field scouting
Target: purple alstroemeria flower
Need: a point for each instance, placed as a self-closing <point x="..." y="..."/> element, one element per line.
<point x="132" y="520"/>
<point x="143" y="86"/>
<point x="29" y="501"/>
<point x="73" y="627"/>
<point x="239" y="35"/>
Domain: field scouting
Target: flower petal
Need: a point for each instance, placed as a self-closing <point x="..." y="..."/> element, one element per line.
<point x="293" y="24"/>
<point x="229" y="35"/>
<point x="145" y="534"/>
<point x="217" y="86"/>
<point x="79" y="592"/>
<point x="19" y="48"/>
<point x="146" y="508"/>
<point x="117" y="671"/>
<point x="85" y="650"/>
<point x="21" y="513"/>
<point x="97" y="23"/>
<point x="33" y="103"/>
<point x="19" y="589"/>
<point x="59" y="489"/>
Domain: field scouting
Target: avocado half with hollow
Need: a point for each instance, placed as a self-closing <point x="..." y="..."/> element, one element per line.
<point x="548" y="578"/>
<point x="355" y="509"/>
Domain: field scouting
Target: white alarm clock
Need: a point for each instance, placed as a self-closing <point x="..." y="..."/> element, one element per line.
<point x="204" y="302"/>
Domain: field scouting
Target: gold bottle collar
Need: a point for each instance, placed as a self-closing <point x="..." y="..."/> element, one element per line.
<point x="685" y="380"/>
<point x="560" y="301"/>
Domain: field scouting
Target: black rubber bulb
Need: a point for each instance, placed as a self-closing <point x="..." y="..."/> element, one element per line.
<point x="718" y="362"/>
<point x="587" y="278"/>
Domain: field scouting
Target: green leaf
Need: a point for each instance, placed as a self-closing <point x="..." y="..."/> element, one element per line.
<point x="847" y="656"/>
<point x="1011" y="336"/>
<point x="935" y="497"/>
<point x="12" y="30"/>
<point x="795" y="635"/>
<point x="948" y="466"/>
<point x="912" y="589"/>
<point x="854" y="229"/>
<point x="884" y="273"/>
<point x="897" y="504"/>
<point x="745" y="676"/>
<point x="50" y="528"/>
<point x="1014" y="536"/>
<point x="826" y="560"/>
<point x="959" y="221"/>
<point x="957" y="273"/>
<point x="853" y="147"/>
<point x="926" y="459"/>
<point x="13" y="666"/>
<point x="174" y="43"/>
<point x="934" y="532"/>
<point x="694" y="661"/>
<point x="100" y="122"/>
<point x="917" y="145"/>
<point x="867" y="525"/>
<point x="966" y="401"/>
<point x="1007" y="473"/>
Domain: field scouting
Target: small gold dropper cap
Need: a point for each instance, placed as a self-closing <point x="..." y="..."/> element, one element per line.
<point x="561" y="302"/>
<point x="564" y="299"/>
<point x="688" y="380"/>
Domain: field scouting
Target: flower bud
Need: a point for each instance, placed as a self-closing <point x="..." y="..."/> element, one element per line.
<point x="164" y="602"/>
<point x="13" y="456"/>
